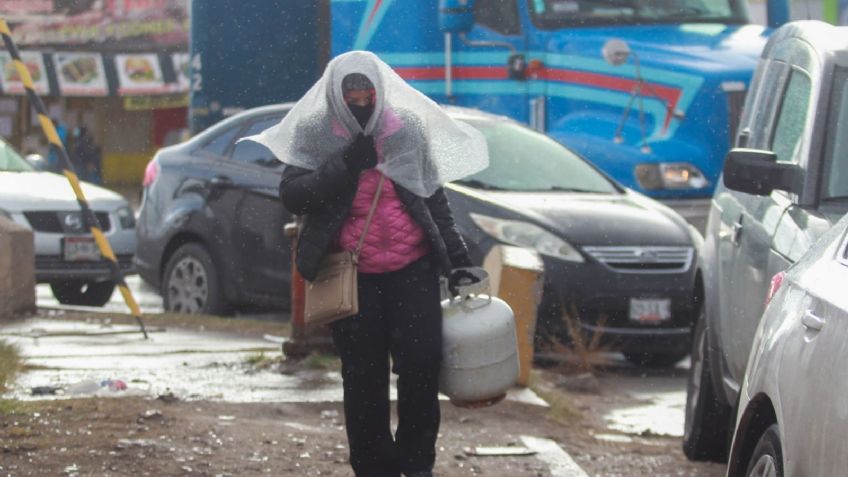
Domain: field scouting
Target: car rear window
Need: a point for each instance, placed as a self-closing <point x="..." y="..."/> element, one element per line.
<point x="521" y="159"/>
<point x="11" y="161"/>
<point x="218" y="145"/>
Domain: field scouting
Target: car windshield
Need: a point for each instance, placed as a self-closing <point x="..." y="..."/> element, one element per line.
<point x="553" y="14"/>
<point x="11" y="161"/>
<point x="523" y="160"/>
<point x="836" y="179"/>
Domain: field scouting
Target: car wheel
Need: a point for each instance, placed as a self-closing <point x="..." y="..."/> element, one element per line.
<point x="655" y="360"/>
<point x="190" y="284"/>
<point x="767" y="459"/>
<point x="707" y="421"/>
<point x="82" y="293"/>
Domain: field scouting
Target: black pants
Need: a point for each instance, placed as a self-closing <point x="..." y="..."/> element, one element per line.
<point x="399" y="314"/>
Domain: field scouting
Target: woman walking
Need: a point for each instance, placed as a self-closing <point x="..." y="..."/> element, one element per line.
<point x="361" y="132"/>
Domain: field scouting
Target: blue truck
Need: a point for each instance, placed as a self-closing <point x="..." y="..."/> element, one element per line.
<point x="648" y="90"/>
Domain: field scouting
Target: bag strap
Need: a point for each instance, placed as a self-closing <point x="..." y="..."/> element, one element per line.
<point x="370" y="216"/>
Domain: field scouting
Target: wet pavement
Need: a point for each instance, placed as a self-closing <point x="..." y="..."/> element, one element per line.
<point x="75" y="358"/>
<point x="98" y="358"/>
<point x="663" y="395"/>
<point x="147" y="297"/>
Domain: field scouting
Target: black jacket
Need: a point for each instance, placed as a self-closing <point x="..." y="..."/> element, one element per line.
<point x="324" y="197"/>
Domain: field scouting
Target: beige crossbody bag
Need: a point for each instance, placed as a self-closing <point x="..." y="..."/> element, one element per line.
<point x="333" y="294"/>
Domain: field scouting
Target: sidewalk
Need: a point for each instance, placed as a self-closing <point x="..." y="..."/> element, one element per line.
<point x="213" y="397"/>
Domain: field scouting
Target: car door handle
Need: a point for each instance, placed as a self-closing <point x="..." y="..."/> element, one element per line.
<point x="221" y="182"/>
<point x="812" y="322"/>
<point x="736" y="232"/>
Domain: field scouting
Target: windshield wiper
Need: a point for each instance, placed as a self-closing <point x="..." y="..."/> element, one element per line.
<point x="475" y="184"/>
<point x="574" y="189"/>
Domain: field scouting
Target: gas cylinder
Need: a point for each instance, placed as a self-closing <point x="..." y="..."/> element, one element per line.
<point x="479" y="346"/>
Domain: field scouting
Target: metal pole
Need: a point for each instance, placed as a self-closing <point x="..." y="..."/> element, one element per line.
<point x="89" y="219"/>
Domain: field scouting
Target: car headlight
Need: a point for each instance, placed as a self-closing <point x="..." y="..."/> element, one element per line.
<point x="670" y="175"/>
<point x="126" y="217"/>
<point x="524" y="234"/>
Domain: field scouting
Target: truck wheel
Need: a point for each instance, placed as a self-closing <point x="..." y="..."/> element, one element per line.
<point x="190" y="283"/>
<point x="707" y="421"/>
<point x="767" y="459"/>
<point x="655" y="360"/>
<point x="82" y="293"/>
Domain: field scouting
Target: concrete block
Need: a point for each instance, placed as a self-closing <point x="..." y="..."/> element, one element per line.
<point x="17" y="270"/>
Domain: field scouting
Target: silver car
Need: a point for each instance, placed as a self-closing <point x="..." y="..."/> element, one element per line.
<point x="792" y="408"/>
<point x="783" y="186"/>
<point x="65" y="254"/>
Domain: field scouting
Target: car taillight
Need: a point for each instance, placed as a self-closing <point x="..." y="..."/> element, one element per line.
<point x="151" y="172"/>
<point x="776" y="281"/>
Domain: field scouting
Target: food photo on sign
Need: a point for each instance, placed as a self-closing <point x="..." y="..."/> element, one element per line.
<point x="81" y="74"/>
<point x="140" y="74"/>
<point x="11" y="80"/>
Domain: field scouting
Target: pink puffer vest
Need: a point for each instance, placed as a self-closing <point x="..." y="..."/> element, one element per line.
<point x="394" y="238"/>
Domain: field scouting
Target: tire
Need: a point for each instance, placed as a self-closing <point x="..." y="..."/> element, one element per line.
<point x="707" y="421"/>
<point x="190" y="283"/>
<point x="82" y="293"/>
<point x="655" y="360"/>
<point x="767" y="459"/>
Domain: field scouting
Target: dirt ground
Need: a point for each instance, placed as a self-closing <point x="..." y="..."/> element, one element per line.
<point x="146" y="436"/>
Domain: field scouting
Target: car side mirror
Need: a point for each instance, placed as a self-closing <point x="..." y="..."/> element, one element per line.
<point x="37" y="161"/>
<point x="757" y="172"/>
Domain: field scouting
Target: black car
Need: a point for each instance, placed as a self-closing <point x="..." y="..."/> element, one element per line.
<point x="211" y="232"/>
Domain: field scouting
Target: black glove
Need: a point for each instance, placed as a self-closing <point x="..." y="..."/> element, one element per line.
<point x="460" y="278"/>
<point x="360" y="154"/>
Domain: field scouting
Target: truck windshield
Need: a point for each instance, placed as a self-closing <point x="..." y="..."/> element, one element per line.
<point x="11" y="161"/>
<point x="523" y="160"/>
<point x="552" y="14"/>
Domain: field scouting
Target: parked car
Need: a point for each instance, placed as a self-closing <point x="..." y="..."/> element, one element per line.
<point x="211" y="231"/>
<point x="801" y="335"/>
<point x="784" y="185"/>
<point x="66" y="256"/>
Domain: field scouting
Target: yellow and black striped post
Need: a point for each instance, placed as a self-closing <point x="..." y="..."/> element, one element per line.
<point x="89" y="219"/>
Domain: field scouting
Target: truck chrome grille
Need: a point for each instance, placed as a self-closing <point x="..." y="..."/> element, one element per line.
<point x="643" y="259"/>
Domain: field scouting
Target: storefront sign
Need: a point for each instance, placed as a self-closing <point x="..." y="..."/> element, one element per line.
<point x="182" y="68"/>
<point x="104" y="22"/>
<point x="80" y="74"/>
<point x="14" y="9"/>
<point x="147" y="103"/>
<point x="11" y="81"/>
<point x="139" y="75"/>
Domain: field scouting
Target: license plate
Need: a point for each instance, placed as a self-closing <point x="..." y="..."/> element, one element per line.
<point x="644" y="310"/>
<point x="79" y="249"/>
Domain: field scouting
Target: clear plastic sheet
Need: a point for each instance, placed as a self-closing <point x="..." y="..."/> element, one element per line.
<point x="422" y="148"/>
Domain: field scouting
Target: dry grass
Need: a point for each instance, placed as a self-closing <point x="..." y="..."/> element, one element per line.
<point x="322" y="361"/>
<point x="562" y="407"/>
<point x="10" y="364"/>
<point x="584" y="354"/>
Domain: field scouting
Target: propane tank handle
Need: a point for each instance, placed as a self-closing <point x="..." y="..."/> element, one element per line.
<point x="482" y="287"/>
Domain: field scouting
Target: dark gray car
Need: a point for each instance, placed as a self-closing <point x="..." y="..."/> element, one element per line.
<point x="211" y="237"/>
<point x="784" y="185"/>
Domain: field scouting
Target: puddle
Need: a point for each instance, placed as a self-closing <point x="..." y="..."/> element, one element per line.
<point x="661" y="416"/>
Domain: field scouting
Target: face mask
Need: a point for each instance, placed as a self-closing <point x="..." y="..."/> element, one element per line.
<point x="361" y="113"/>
